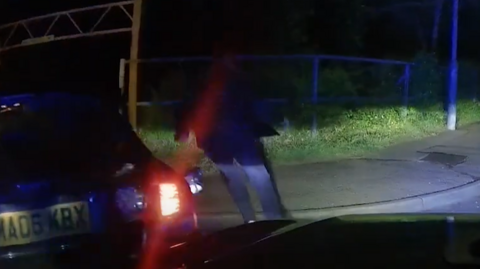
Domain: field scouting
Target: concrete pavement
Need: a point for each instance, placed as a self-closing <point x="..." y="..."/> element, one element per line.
<point x="392" y="180"/>
<point x="468" y="206"/>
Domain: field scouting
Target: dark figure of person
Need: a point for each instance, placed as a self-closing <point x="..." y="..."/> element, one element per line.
<point x="268" y="166"/>
<point x="232" y="137"/>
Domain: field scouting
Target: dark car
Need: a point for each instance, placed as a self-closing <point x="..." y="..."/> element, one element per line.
<point x="75" y="176"/>
<point x="357" y="241"/>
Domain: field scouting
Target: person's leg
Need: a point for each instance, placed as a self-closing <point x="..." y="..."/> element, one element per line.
<point x="254" y="166"/>
<point x="268" y="166"/>
<point x="234" y="179"/>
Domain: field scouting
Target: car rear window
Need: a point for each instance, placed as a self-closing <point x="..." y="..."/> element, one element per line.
<point x="57" y="134"/>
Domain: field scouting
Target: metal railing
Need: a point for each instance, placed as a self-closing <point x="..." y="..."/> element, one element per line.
<point x="315" y="61"/>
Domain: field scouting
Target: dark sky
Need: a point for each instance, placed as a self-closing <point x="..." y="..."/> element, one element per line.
<point x="14" y="10"/>
<point x="85" y="64"/>
<point x="188" y="28"/>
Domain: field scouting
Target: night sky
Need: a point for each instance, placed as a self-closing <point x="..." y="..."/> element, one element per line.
<point x="192" y="28"/>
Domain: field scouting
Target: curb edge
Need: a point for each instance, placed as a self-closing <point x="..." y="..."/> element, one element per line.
<point x="406" y="205"/>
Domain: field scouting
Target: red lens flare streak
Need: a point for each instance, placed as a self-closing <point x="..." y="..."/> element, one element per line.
<point x="201" y="121"/>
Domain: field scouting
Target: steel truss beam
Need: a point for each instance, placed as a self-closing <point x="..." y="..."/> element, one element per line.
<point x="10" y="29"/>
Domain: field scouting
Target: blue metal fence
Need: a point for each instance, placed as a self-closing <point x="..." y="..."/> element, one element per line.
<point x="402" y="82"/>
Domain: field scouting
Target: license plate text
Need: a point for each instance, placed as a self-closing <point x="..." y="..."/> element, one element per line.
<point x="18" y="228"/>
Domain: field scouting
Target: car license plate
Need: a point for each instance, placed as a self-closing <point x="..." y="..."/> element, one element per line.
<point x="24" y="227"/>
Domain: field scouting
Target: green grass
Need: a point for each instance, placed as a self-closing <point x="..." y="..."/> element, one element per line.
<point x="343" y="133"/>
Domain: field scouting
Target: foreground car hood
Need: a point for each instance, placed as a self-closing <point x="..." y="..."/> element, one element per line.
<point x="393" y="241"/>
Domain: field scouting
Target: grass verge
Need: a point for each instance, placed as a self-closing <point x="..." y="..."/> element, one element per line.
<point x="342" y="134"/>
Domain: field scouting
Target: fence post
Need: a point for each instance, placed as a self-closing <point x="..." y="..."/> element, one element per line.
<point x="121" y="84"/>
<point x="475" y="88"/>
<point x="315" y="71"/>
<point x="133" y="63"/>
<point x="286" y="124"/>
<point x="405" y="94"/>
<point x="453" y="73"/>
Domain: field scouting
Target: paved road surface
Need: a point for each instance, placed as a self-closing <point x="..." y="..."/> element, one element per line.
<point x="470" y="206"/>
<point x="342" y="183"/>
<point x="397" y="172"/>
<point x="467" y="206"/>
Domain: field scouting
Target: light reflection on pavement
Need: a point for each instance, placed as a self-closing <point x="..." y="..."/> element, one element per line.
<point x="467" y="206"/>
<point x="470" y="206"/>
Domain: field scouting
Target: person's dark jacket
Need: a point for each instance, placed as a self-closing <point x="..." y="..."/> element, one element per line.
<point x="234" y="116"/>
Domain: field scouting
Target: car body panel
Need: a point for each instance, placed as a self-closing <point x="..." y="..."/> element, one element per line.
<point x="89" y="171"/>
<point x="381" y="241"/>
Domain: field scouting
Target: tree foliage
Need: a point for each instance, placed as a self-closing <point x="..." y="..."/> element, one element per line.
<point x="422" y="17"/>
<point x="339" y="26"/>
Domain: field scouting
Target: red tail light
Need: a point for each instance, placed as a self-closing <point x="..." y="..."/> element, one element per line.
<point x="169" y="199"/>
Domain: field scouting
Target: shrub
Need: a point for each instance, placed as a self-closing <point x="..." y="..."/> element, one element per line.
<point x="336" y="82"/>
<point x="345" y="130"/>
<point x="427" y="80"/>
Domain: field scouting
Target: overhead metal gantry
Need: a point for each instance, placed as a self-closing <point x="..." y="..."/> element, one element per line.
<point x="8" y="33"/>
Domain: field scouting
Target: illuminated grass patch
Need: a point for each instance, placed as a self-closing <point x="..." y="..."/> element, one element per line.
<point x="348" y="133"/>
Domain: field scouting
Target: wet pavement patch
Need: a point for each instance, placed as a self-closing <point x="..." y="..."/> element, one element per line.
<point x="444" y="158"/>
